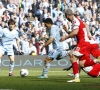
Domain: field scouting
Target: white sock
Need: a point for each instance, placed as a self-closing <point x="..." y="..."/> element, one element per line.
<point x="77" y="76"/>
<point x="11" y="66"/>
<point x="46" y="69"/>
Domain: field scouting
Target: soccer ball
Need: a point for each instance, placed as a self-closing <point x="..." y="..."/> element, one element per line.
<point x="24" y="72"/>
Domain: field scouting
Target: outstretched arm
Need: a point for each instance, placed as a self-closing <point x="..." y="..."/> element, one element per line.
<point x="72" y="34"/>
<point x="47" y="43"/>
<point x="88" y="31"/>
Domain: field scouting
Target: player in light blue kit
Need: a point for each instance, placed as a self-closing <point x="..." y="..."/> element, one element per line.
<point x="57" y="46"/>
<point x="8" y="35"/>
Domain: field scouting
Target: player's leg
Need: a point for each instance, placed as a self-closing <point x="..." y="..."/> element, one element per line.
<point x="95" y="51"/>
<point x="63" y="54"/>
<point x="88" y="61"/>
<point x="51" y="56"/>
<point x="93" y="70"/>
<point x="11" y="66"/>
<point x="46" y="67"/>
<point x="10" y="53"/>
<point x="71" y="74"/>
<point x="75" y="68"/>
<point x="68" y="68"/>
<point x="2" y="51"/>
<point x="78" y="54"/>
<point x="85" y="60"/>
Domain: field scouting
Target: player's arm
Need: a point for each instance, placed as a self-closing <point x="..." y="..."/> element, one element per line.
<point x="74" y="32"/>
<point x="71" y="35"/>
<point x="17" y="41"/>
<point x="88" y="31"/>
<point x="47" y="43"/>
<point x="66" y="29"/>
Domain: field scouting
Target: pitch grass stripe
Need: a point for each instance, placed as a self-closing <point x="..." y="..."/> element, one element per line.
<point x="35" y="71"/>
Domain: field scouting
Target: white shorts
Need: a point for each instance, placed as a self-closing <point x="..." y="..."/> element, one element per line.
<point x="54" y="53"/>
<point x="7" y="50"/>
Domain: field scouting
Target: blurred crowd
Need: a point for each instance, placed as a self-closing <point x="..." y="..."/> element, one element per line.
<point x="29" y="16"/>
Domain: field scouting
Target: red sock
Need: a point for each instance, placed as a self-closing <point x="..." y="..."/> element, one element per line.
<point x="89" y="63"/>
<point x="75" y="68"/>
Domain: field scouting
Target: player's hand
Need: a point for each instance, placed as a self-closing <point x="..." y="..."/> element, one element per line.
<point x="90" y="37"/>
<point x="20" y="51"/>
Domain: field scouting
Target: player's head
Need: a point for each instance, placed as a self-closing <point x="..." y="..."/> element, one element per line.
<point x="48" y="22"/>
<point x="11" y="24"/>
<point x="69" y="14"/>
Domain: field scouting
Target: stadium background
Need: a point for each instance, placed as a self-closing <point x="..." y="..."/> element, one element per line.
<point x="57" y="77"/>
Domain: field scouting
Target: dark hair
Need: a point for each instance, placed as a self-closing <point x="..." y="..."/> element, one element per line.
<point x="48" y="20"/>
<point x="11" y="22"/>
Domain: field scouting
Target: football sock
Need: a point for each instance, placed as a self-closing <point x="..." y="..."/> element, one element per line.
<point x="46" y="69"/>
<point x="75" y="69"/>
<point x="11" y="66"/>
<point x="89" y="63"/>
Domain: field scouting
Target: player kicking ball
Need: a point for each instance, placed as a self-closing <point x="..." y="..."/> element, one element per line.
<point x="57" y="46"/>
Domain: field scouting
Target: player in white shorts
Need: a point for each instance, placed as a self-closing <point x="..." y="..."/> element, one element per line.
<point x="8" y="35"/>
<point x="57" y="46"/>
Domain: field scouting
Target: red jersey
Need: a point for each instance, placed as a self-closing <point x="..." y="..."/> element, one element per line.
<point x="82" y="47"/>
<point x="82" y="33"/>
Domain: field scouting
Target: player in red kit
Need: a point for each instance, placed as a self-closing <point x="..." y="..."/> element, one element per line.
<point x="82" y="50"/>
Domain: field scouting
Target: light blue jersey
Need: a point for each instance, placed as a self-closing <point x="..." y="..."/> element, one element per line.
<point x="55" y="33"/>
<point x="7" y="41"/>
<point x="57" y="45"/>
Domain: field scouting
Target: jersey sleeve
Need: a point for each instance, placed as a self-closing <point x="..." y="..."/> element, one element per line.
<point x="75" y="24"/>
<point x="1" y="32"/>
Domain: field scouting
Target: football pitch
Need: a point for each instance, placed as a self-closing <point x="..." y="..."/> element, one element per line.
<point x="57" y="80"/>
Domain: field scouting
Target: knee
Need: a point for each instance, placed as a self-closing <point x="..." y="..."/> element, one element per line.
<point x="47" y="59"/>
<point x="81" y="63"/>
<point x="73" y="59"/>
<point x="70" y="54"/>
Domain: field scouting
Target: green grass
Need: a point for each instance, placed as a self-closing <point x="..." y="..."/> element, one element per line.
<point x="57" y="81"/>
